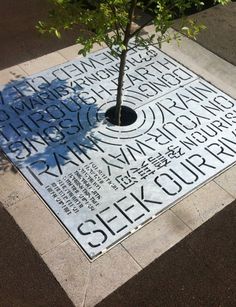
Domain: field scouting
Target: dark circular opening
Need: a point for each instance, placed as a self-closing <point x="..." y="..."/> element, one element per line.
<point x="128" y="116"/>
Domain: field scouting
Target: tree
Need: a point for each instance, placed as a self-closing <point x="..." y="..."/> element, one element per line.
<point x="112" y="22"/>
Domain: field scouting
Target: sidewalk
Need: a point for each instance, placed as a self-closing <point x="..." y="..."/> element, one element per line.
<point x="198" y="271"/>
<point x="58" y="269"/>
<point x="219" y="36"/>
<point x="21" y="40"/>
<point x="25" y="279"/>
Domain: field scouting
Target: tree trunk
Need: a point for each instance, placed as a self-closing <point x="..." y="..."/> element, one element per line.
<point x="122" y="63"/>
<point x="120" y="87"/>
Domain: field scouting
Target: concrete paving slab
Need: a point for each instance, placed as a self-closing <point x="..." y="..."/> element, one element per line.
<point x="219" y="246"/>
<point x="42" y="63"/>
<point x="198" y="271"/>
<point x="71" y="269"/>
<point x="227" y="181"/>
<point x="219" y="37"/>
<point x="156" y="238"/>
<point x="71" y="52"/>
<point x="12" y="73"/>
<point x="13" y="187"/>
<point x="201" y="205"/>
<point x="103" y="280"/>
<point x="25" y="279"/>
<point x="38" y="223"/>
<point x="204" y="63"/>
<point x="87" y="283"/>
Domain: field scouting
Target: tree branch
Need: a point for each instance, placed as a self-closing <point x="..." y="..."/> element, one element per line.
<point x="141" y="27"/>
<point x="157" y="43"/>
<point x="117" y="24"/>
<point x="128" y="34"/>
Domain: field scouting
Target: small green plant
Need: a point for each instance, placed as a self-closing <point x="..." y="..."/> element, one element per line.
<point x="112" y="22"/>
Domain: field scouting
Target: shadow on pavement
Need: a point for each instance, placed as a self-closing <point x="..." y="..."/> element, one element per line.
<point x="25" y="279"/>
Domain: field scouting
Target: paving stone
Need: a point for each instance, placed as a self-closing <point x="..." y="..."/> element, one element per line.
<point x="155" y="238"/>
<point x="108" y="273"/>
<point x="204" y="63"/>
<point x="13" y="187"/>
<point x="25" y="278"/>
<point x="201" y="205"/>
<point x="42" y="63"/>
<point x="87" y="283"/>
<point x="40" y="226"/>
<point x="222" y="41"/>
<point x="219" y="237"/>
<point x="198" y="271"/>
<point x="71" y="52"/>
<point x="227" y="181"/>
<point x="71" y="269"/>
<point x="9" y="74"/>
<point x="173" y="280"/>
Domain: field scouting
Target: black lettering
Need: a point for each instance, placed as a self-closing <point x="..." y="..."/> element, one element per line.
<point x="99" y="241"/>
